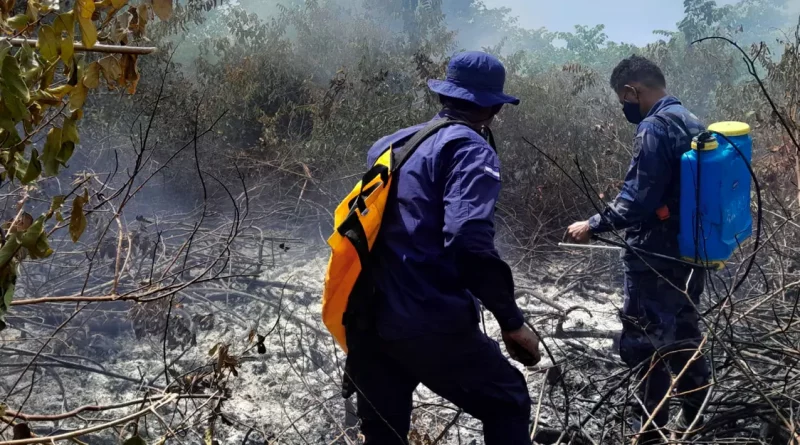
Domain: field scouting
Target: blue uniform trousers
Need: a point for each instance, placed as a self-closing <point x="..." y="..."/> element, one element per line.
<point x="468" y="369"/>
<point x="660" y="327"/>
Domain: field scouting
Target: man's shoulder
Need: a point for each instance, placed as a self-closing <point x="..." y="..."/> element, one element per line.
<point x="673" y="114"/>
<point x="391" y="140"/>
<point x="672" y="121"/>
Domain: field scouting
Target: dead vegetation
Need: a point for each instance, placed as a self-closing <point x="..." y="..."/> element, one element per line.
<point x="188" y="313"/>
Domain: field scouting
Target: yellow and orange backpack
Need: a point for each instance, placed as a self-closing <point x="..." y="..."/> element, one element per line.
<point x="357" y="221"/>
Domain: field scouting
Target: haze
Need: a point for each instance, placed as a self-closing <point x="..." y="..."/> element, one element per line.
<point x="629" y="21"/>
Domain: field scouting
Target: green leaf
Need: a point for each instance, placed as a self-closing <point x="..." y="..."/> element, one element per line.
<point x="9" y="136"/>
<point x="213" y="350"/>
<point x="19" y="22"/>
<point x="48" y="43"/>
<point x="52" y="148"/>
<point x="34" y="169"/>
<point x="35" y="240"/>
<point x="55" y="206"/>
<point x="8" y="296"/>
<point x="77" y="220"/>
<point x="135" y="440"/>
<point x="8" y="250"/>
<point x="14" y="105"/>
<point x="5" y="47"/>
<point x="42" y="248"/>
<point x="27" y="57"/>
<point x="12" y="82"/>
<point x="31" y="236"/>
<point x="69" y="139"/>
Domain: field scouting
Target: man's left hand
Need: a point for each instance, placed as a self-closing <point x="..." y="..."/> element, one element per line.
<point x="579" y="233"/>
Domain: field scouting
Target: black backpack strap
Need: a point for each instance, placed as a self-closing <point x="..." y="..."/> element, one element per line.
<point x="400" y="156"/>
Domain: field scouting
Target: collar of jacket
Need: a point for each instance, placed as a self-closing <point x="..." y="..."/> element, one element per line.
<point x="485" y="133"/>
<point x="664" y="102"/>
<point x="452" y="115"/>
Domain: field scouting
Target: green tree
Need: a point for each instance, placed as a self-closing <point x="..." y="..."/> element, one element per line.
<point x="43" y="88"/>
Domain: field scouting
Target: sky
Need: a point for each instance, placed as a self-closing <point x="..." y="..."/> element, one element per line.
<point x="629" y="21"/>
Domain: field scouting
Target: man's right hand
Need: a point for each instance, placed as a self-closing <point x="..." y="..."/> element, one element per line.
<point x="523" y="346"/>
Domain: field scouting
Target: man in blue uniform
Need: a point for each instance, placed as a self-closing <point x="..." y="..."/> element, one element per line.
<point x="659" y="321"/>
<point x="433" y="260"/>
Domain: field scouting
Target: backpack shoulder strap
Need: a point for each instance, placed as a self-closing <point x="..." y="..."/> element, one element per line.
<point x="401" y="155"/>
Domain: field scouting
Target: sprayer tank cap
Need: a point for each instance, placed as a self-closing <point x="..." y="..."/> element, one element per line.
<point x="704" y="145"/>
<point x="730" y="129"/>
<point x="704" y="141"/>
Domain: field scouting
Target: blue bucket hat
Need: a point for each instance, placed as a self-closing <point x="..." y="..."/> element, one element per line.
<point x="476" y="77"/>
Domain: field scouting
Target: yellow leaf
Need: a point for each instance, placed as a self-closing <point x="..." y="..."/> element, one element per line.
<point x="143" y="14"/>
<point x="77" y="220"/>
<point x="92" y="77"/>
<point x="88" y="31"/>
<point x="65" y="23"/>
<point x="46" y="98"/>
<point x="48" y="46"/>
<point x="111" y="69"/>
<point x="48" y="77"/>
<point x="33" y="10"/>
<point x="117" y="4"/>
<point x="67" y="47"/>
<point x="163" y="9"/>
<point x="60" y="91"/>
<point x="85" y="8"/>
<point x="77" y="97"/>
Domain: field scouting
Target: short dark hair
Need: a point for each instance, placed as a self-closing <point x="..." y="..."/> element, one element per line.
<point x="637" y="69"/>
<point x="465" y="106"/>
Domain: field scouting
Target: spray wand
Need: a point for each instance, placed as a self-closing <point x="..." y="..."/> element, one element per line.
<point x="614" y="245"/>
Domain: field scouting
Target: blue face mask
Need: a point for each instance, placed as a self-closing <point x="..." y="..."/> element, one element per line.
<point x="632" y="112"/>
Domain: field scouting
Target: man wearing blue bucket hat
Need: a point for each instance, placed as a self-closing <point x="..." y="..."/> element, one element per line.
<point x="433" y="260"/>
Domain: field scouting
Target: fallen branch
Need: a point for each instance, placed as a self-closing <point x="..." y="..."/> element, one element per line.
<point x="95" y="408"/>
<point x="51" y="439"/>
<point x="97" y="48"/>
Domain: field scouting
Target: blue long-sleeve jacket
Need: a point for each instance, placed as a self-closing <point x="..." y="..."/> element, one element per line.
<point x="652" y="181"/>
<point x="435" y="253"/>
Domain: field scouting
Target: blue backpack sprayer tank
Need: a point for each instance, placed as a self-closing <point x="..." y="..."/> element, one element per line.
<point x="715" y="214"/>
